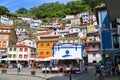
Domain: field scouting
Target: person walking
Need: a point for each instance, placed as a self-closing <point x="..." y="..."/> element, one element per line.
<point x="19" y="66"/>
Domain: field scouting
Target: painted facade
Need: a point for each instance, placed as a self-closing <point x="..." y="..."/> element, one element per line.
<point x="7" y="37"/>
<point x="28" y="42"/>
<point x="20" y="52"/>
<point x="5" y="20"/>
<point x="45" y="45"/>
<point x="109" y="35"/>
<point x="68" y="51"/>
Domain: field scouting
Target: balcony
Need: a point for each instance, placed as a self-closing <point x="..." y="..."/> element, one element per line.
<point x="93" y="32"/>
<point x="92" y="49"/>
<point x="93" y="42"/>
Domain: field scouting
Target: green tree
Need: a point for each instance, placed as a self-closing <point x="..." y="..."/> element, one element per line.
<point x="3" y="10"/>
<point x="92" y="3"/>
<point x="22" y="11"/>
<point x="77" y="7"/>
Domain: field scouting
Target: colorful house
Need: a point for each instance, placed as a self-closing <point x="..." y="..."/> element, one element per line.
<point x="20" y="52"/>
<point x="45" y="45"/>
<point x="7" y="37"/>
<point x="66" y="54"/>
<point x="46" y="38"/>
<point x="109" y="36"/>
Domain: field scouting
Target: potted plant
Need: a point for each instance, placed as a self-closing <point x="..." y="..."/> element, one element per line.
<point x="33" y="72"/>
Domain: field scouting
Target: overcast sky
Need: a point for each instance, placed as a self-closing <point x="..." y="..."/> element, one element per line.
<point x="14" y="5"/>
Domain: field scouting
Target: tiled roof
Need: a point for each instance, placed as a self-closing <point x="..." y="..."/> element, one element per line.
<point x="2" y="26"/>
<point x="50" y="36"/>
<point x="20" y="45"/>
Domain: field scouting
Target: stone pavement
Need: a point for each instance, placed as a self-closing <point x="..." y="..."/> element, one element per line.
<point x="25" y="74"/>
<point x="19" y="77"/>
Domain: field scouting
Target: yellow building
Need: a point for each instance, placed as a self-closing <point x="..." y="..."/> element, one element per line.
<point x="46" y="39"/>
<point x="45" y="45"/>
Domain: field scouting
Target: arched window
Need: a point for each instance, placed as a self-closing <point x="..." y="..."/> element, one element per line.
<point x="48" y="44"/>
<point x="47" y="52"/>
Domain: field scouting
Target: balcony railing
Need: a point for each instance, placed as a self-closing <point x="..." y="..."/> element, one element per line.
<point x="92" y="49"/>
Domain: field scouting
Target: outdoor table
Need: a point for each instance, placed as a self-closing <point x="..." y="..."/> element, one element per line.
<point x="55" y="69"/>
<point x="46" y="69"/>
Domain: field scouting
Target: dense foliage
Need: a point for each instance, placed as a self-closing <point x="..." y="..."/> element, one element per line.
<point x="4" y="10"/>
<point x="56" y="10"/>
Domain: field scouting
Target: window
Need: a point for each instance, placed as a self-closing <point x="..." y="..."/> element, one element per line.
<point x="4" y="42"/>
<point x="41" y="52"/>
<point x="93" y="46"/>
<point x="41" y="43"/>
<point x="48" y="44"/>
<point x="25" y="49"/>
<point x="10" y="49"/>
<point x="116" y="40"/>
<point x="114" y="24"/>
<point x="25" y="55"/>
<point x="21" y="49"/>
<point x="29" y="43"/>
<point x="14" y="49"/>
<point x="54" y="44"/>
<point x="47" y="52"/>
<point x="32" y="55"/>
<point x="14" y="55"/>
<point x="94" y="55"/>
<point x="76" y="29"/>
<point x="20" y="55"/>
<point x="10" y="55"/>
<point x="31" y="50"/>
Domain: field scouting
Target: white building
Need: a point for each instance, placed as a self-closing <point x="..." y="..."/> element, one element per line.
<point x="6" y="20"/>
<point x="21" y="53"/>
<point x="28" y="42"/>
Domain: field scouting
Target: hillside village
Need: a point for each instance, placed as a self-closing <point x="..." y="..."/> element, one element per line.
<point x="35" y="42"/>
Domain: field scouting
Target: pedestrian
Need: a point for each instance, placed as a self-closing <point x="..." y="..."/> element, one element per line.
<point x="19" y="66"/>
<point x="86" y="68"/>
<point x="98" y="73"/>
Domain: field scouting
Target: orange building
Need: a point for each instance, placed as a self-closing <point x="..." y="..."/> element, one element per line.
<point x="7" y="37"/>
<point x="45" y="45"/>
<point x="46" y="39"/>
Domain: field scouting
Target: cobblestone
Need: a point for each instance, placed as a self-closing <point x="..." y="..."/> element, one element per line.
<point x="25" y="74"/>
<point x="18" y="77"/>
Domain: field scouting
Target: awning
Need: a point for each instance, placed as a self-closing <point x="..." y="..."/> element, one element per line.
<point x="8" y="59"/>
<point x="14" y="59"/>
<point x="44" y="59"/>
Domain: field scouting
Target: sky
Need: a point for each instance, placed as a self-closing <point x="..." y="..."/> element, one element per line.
<point x="14" y="5"/>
